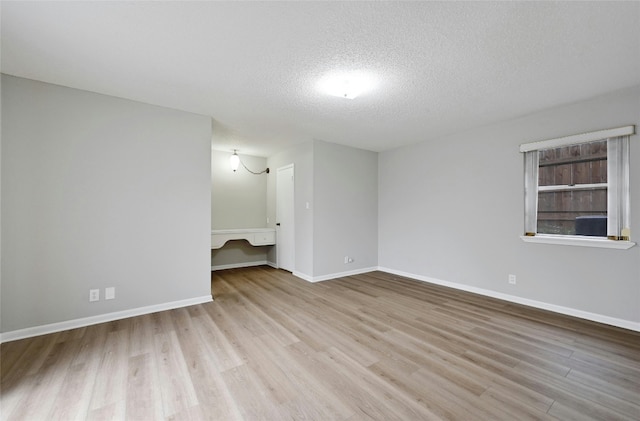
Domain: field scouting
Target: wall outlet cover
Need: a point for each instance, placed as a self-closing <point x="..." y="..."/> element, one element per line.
<point x="94" y="295"/>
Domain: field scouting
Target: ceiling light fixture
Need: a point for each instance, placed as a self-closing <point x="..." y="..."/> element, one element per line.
<point x="347" y="84"/>
<point x="235" y="161"/>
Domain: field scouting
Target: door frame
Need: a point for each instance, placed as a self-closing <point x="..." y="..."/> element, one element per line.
<point x="293" y="217"/>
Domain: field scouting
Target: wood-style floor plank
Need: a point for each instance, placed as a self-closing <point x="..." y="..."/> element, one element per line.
<point x="374" y="346"/>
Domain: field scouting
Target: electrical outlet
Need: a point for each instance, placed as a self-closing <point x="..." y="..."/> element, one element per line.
<point x="346" y="259"/>
<point x="94" y="295"/>
<point x="109" y="293"/>
<point x="512" y="279"/>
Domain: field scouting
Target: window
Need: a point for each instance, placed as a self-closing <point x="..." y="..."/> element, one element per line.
<point x="572" y="190"/>
<point x="578" y="186"/>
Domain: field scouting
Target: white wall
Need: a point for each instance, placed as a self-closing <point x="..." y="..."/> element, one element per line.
<point x="99" y="192"/>
<point x="346" y="209"/>
<point x="238" y="200"/>
<point x="452" y="210"/>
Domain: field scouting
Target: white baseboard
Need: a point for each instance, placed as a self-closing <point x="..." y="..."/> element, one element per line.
<point x="273" y="265"/>
<point x="333" y="275"/>
<point x="304" y="276"/>
<point x="102" y="318"/>
<point x="626" y="324"/>
<point x="241" y="265"/>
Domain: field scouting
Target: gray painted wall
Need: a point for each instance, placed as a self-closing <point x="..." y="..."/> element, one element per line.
<point x="1" y="197"/>
<point x="99" y="192"/>
<point x="238" y="200"/>
<point x="340" y="185"/>
<point x="238" y="253"/>
<point x="346" y="208"/>
<point x="452" y="209"/>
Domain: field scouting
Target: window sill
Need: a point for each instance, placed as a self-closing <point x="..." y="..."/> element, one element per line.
<point x="574" y="240"/>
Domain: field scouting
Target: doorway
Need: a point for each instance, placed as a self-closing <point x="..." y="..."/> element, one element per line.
<point x="285" y="231"/>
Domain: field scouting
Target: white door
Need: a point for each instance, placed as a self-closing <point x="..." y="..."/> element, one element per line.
<point x="285" y="242"/>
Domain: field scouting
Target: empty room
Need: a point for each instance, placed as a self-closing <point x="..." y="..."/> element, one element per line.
<point x="385" y="210"/>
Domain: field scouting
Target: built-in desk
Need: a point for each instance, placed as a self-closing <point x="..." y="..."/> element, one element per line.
<point x="255" y="236"/>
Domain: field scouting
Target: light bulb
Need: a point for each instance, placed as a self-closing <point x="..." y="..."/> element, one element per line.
<point x="234" y="160"/>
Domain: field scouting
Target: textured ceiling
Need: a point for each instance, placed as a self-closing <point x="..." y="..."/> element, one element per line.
<point x="442" y="67"/>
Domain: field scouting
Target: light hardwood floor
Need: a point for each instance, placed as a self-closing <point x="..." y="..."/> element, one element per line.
<point x="373" y="346"/>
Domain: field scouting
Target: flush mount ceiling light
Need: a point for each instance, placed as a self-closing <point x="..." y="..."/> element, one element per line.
<point x="347" y="84"/>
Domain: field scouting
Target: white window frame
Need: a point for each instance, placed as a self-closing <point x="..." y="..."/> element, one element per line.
<point x="618" y="210"/>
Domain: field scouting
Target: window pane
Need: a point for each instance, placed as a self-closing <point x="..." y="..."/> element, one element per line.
<point x="569" y="209"/>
